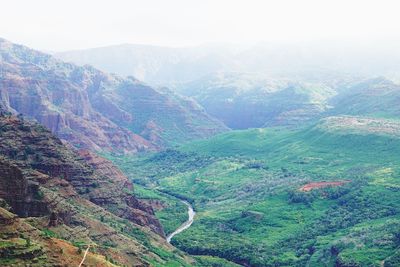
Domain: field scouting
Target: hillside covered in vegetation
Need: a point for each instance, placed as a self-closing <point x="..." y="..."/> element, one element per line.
<point x="323" y="195"/>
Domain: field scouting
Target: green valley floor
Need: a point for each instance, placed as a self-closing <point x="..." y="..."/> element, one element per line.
<point x="326" y="194"/>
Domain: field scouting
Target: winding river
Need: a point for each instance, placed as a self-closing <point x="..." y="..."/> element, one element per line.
<point x="185" y="225"/>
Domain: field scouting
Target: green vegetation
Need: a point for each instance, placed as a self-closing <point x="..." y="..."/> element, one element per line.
<point x="171" y="211"/>
<point x="15" y="249"/>
<point x="209" y="261"/>
<point x="49" y="233"/>
<point x="246" y="100"/>
<point x="245" y="185"/>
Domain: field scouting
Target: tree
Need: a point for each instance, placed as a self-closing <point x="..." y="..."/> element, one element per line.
<point x="28" y="242"/>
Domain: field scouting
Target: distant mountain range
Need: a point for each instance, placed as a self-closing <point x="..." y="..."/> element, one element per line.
<point x="169" y="66"/>
<point x="93" y="109"/>
<point x="378" y="97"/>
<point x="245" y="100"/>
<point x="154" y="64"/>
<point x="263" y="85"/>
<point x="100" y="111"/>
<point x="248" y="100"/>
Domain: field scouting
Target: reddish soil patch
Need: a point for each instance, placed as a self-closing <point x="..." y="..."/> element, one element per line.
<point x="316" y="185"/>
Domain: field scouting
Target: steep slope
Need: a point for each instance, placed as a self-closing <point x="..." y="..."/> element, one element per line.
<point x="248" y="100"/>
<point x="66" y="201"/>
<point x="160" y="116"/>
<point x="91" y="109"/>
<point x="57" y="96"/>
<point x="378" y="97"/>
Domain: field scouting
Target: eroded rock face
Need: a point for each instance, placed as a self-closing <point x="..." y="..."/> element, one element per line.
<point x="116" y="192"/>
<point x="21" y="193"/>
<point x="35" y="161"/>
<point x="138" y="212"/>
<point x="105" y="168"/>
<point x="95" y="110"/>
<point x="57" y="95"/>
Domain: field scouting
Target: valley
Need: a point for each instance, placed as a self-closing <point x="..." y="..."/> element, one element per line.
<point x="253" y="205"/>
<point x="233" y="165"/>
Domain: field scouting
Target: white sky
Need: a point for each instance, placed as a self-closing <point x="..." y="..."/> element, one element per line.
<point x="57" y="25"/>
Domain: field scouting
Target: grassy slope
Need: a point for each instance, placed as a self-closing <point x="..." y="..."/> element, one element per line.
<point x="244" y="187"/>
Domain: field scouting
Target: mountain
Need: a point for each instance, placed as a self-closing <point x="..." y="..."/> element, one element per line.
<point x="95" y="110"/>
<point x="248" y="100"/>
<point x="378" y="97"/>
<point x="54" y="202"/>
<point x="172" y="66"/>
<point x="161" y="116"/>
<point x="265" y="84"/>
<point x="326" y="194"/>
<point x="153" y="64"/>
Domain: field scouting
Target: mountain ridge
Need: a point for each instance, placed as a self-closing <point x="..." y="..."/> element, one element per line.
<point x="89" y="108"/>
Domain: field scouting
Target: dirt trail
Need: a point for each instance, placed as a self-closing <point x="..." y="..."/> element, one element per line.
<point x="84" y="256"/>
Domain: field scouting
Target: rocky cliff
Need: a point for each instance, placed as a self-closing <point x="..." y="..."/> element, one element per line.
<point x="64" y="201"/>
<point x="95" y="110"/>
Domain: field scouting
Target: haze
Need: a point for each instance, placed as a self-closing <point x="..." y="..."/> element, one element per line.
<point x="66" y="25"/>
<point x="200" y="133"/>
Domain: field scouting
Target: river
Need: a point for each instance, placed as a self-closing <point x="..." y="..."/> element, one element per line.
<point x="186" y="224"/>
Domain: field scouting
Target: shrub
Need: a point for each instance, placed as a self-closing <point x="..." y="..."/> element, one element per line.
<point x="28" y="242"/>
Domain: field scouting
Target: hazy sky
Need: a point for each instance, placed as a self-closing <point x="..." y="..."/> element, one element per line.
<point x="57" y="25"/>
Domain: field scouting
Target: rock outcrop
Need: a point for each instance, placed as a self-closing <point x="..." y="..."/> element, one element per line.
<point x="95" y="110"/>
<point x="115" y="193"/>
<point x="39" y="158"/>
<point x="60" y="193"/>
<point x="56" y="94"/>
<point x="20" y="190"/>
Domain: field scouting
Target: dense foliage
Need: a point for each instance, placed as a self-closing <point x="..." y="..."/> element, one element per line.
<point x="246" y="188"/>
